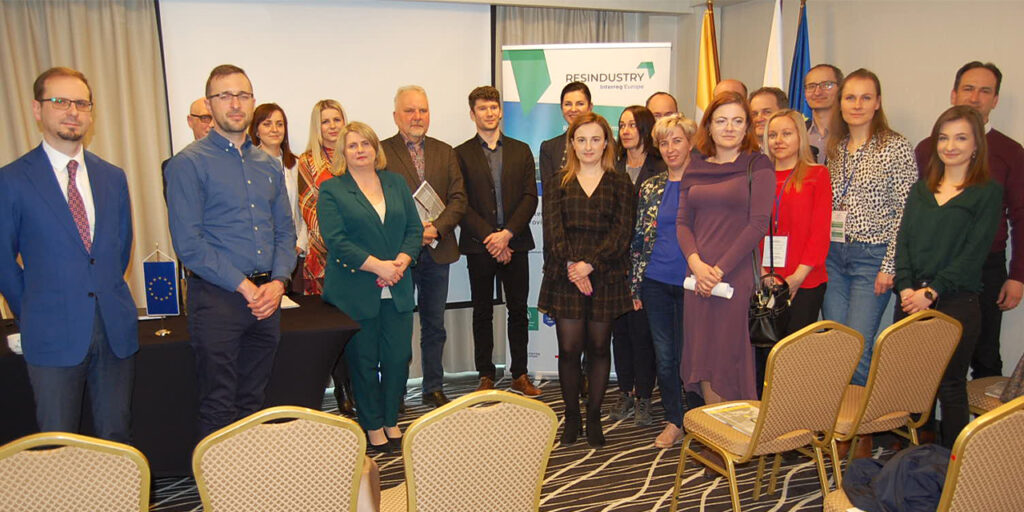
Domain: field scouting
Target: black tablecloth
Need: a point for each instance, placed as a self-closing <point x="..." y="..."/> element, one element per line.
<point x="164" y="402"/>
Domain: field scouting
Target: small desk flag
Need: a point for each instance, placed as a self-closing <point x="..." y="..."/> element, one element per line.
<point x="161" y="288"/>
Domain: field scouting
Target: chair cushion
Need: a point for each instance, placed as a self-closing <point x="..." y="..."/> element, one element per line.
<point x="976" y="397"/>
<point x="709" y="429"/>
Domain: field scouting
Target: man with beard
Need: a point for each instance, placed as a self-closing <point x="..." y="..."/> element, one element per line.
<point x="231" y="225"/>
<point x="67" y="214"/>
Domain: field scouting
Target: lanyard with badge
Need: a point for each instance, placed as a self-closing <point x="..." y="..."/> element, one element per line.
<point x="837" y="230"/>
<point x="775" y="255"/>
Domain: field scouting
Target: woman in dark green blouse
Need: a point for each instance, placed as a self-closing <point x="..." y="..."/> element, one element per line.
<point x="948" y="225"/>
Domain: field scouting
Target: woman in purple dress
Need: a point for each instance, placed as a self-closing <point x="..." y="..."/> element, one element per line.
<point x="722" y="218"/>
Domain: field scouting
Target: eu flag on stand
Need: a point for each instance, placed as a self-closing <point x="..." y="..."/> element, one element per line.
<point x="801" y="66"/>
<point x="161" y="288"/>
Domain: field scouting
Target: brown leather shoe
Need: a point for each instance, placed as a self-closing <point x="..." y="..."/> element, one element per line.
<point x="524" y="386"/>
<point x="485" y="384"/>
<point x="865" y="447"/>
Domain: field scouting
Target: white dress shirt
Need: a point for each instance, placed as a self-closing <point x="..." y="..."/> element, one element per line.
<point x="291" y="182"/>
<point x="59" y="161"/>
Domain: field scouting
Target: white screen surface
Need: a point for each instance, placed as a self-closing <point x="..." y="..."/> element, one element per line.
<point x="357" y="52"/>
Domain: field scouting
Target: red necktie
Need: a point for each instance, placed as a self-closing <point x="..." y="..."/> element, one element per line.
<point x="77" y="206"/>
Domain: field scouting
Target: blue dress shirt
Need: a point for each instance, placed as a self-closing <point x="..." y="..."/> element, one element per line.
<point x="228" y="212"/>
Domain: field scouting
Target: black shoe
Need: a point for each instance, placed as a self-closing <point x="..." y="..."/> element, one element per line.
<point x="595" y="437"/>
<point x="394" y="442"/>
<point x="571" y="430"/>
<point x="435" y="399"/>
<point x="379" y="448"/>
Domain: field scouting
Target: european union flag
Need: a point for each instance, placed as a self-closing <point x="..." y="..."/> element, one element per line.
<point x="161" y="288"/>
<point x="801" y="66"/>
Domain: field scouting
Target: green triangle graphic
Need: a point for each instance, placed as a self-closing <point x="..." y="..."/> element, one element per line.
<point x="530" y="69"/>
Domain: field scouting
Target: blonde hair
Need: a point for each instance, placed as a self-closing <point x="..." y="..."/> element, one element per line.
<point x="315" y="145"/>
<point x="340" y="165"/>
<point x="804" y="157"/>
<point x="572" y="162"/>
<point x="667" y="124"/>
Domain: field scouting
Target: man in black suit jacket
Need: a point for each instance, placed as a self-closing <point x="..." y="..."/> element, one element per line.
<point x="501" y="188"/>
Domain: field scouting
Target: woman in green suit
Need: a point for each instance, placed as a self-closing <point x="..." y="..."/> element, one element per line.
<point x="372" y="233"/>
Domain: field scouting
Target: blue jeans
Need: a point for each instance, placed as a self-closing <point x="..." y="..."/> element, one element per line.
<point x="431" y="282"/>
<point x="58" y="391"/>
<point x="664" y="305"/>
<point x="850" y="298"/>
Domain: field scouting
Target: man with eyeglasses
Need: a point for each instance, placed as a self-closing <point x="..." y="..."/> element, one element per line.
<point x="821" y="87"/>
<point x="231" y="226"/>
<point x="67" y="214"/>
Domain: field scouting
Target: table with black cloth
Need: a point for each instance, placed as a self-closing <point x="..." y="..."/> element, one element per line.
<point x="164" y="402"/>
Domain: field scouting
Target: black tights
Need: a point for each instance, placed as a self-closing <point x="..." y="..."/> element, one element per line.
<point x="573" y="337"/>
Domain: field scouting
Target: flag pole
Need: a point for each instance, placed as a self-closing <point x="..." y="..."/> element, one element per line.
<point x="163" y="330"/>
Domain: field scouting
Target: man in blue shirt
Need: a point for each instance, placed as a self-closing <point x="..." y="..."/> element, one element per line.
<point x="232" y="228"/>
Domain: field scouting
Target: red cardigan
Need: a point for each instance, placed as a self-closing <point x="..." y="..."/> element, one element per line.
<point x="804" y="217"/>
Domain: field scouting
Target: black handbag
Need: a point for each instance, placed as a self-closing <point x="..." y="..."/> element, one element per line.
<point x="769" y="302"/>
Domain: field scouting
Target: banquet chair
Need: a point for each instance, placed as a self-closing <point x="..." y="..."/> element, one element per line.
<point x="979" y="402"/>
<point x="908" y="362"/>
<point x="804" y="382"/>
<point x="282" y="458"/>
<point x="484" y="451"/>
<point x="983" y="472"/>
<point x="58" y="471"/>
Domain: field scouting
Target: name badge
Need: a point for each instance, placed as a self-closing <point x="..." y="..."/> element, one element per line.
<point x="779" y="244"/>
<point x="837" y="231"/>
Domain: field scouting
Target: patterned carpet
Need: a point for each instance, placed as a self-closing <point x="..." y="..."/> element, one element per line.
<point x="627" y="475"/>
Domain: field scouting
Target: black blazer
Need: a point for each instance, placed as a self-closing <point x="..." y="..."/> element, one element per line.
<point x="518" y="194"/>
<point x="552" y="157"/>
<point x="653" y="164"/>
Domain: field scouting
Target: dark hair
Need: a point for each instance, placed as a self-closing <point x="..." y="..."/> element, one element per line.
<point x="839" y="129"/>
<point x="484" y="93"/>
<point x="660" y="93"/>
<point x="644" y="126"/>
<point x="574" y="86"/>
<point x="259" y="115"/>
<point x="835" y="70"/>
<point x="780" y="97"/>
<point x="977" y="170"/>
<point x="703" y="141"/>
<point x="39" y="86"/>
<point x="225" y="70"/>
<point x="974" y="64"/>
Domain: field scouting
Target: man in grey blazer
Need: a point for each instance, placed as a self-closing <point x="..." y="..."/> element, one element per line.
<point x="418" y="158"/>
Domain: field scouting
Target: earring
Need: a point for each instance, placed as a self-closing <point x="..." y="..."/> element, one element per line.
<point x="974" y="154"/>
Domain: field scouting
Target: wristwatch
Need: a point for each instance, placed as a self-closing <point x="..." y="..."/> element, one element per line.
<point x="930" y="295"/>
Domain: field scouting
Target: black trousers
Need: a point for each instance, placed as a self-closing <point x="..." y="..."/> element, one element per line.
<point x="803" y="311"/>
<point x="633" y="351"/>
<point x="986" y="360"/>
<point x="952" y="392"/>
<point x="234" y="353"/>
<point x="515" y="282"/>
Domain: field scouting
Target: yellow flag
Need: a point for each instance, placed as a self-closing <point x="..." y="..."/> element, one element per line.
<point x="707" y="64"/>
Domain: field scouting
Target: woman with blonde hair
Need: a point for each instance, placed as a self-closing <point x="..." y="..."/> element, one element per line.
<point x="326" y="122"/>
<point x="372" y="233"/>
<point x="658" y="266"/>
<point x="588" y="209"/>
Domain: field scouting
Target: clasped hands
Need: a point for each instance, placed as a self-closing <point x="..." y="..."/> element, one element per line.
<point x="263" y="300"/>
<point x="389" y="272"/>
<point x="579" y="275"/>
<point x="912" y="301"/>
<point x="707" y="276"/>
<point x="497" y="245"/>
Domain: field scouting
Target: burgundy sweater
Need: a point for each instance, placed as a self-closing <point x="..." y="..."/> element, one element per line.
<point x="1006" y="164"/>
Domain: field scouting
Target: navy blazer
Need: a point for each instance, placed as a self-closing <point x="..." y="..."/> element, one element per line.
<point x="55" y="296"/>
<point x="352" y="231"/>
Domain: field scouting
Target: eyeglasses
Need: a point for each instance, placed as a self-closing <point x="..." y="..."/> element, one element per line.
<point x="203" y="118"/>
<point x="65" y="104"/>
<point x="228" y="96"/>
<point x="827" y="85"/>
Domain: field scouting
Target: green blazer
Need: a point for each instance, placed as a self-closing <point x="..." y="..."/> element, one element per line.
<point x="352" y="231"/>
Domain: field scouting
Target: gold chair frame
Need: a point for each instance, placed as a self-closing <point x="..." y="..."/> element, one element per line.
<point x="877" y="356"/>
<point x="454" y="407"/>
<point x="818" y="444"/>
<point x="65" y="439"/>
<point x="258" y="419"/>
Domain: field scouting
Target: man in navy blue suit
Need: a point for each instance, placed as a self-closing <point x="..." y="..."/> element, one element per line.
<point x="67" y="214"/>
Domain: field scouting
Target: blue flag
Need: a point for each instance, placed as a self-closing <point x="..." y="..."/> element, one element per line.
<point x="801" y="66"/>
<point x="161" y="288"/>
